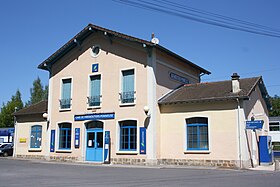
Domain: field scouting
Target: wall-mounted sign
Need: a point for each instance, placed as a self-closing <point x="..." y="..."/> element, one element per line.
<point x="52" y="143"/>
<point x="94" y="68"/>
<point x="107" y="147"/>
<point x="98" y="116"/>
<point x="179" y="78"/>
<point x="77" y="137"/>
<point x="22" y="140"/>
<point x="257" y="124"/>
<point x="142" y="140"/>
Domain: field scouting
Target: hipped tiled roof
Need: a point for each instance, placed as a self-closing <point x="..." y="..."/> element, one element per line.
<point x="38" y="108"/>
<point x="211" y="91"/>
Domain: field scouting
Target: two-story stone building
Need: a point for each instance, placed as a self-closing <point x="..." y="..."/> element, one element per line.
<point x="105" y="85"/>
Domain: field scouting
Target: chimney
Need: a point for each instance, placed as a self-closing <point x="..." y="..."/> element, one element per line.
<point x="235" y="83"/>
<point x="153" y="35"/>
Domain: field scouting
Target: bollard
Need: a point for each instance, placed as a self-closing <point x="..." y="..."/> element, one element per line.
<point x="276" y="165"/>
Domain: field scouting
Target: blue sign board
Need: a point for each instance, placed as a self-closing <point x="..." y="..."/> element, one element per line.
<point x="52" y="140"/>
<point x="77" y="137"/>
<point x="179" y="78"/>
<point x="142" y="140"/>
<point x="257" y="124"/>
<point x="94" y="68"/>
<point x="107" y="147"/>
<point x="98" y="116"/>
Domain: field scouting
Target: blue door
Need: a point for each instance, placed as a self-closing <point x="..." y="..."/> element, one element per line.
<point x="94" y="147"/>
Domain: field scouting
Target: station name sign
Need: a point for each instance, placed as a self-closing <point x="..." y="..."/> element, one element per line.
<point x="257" y="124"/>
<point x="98" y="116"/>
<point x="179" y="78"/>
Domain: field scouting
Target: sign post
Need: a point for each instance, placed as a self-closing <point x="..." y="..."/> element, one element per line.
<point x="142" y="140"/>
<point x="52" y="140"/>
<point x="107" y="148"/>
<point x="257" y="124"/>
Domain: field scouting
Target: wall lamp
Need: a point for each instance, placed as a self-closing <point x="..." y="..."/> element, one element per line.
<point x="146" y="110"/>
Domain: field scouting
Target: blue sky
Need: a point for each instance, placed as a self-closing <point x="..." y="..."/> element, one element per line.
<point x="32" y="30"/>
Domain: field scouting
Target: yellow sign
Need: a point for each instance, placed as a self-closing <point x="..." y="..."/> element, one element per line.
<point x="22" y="140"/>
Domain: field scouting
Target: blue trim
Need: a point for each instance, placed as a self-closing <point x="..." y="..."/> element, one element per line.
<point x="36" y="136"/>
<point x="64" y="143"/>
<point x="52" y="143"/>
<point x="130" y="136"/>
<point x="96" y="116"/>
<point x="196" y="134"/>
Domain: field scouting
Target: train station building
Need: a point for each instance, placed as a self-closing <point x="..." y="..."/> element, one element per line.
<point x="115" y="98"/>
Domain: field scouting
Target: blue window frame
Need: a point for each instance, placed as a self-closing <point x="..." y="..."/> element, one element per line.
<point x="128" y="135"/>
<point x="94" y="98"/>
<point x="127" y="95"/>
<point x="65" y="101"/>
<point x="197" y="133"/>
<point x="36" y="136"/>
<point x="65" y="136"/>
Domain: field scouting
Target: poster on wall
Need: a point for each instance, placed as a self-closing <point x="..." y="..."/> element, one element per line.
<point x="107" y="147"/>
<point x="77" y="137"/>
<point x="52" y="140"/>
<point x="142" y="140"/>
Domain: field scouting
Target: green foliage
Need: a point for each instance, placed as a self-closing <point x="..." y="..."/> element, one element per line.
<point x="38" y="92"/>
<point x="275" y="101"/>
<point x="7" y="110"/>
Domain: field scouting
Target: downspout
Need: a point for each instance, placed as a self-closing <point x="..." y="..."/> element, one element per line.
<point x="239" y="134"/>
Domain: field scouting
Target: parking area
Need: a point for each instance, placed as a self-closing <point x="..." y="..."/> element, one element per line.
<point x="50" y="174"/>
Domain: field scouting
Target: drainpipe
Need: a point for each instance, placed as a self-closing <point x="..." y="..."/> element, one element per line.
<point x="239" y="134"/>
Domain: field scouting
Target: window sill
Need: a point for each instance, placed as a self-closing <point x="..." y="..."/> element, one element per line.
<point x="127" y="104"/>
<point x="197" y="152"/>
<point x="63" y="151"/>
<point x="127" y="152"/>
<point x="64" y="109"/>
<point x="93" y="107"/>
<point x="34" y="149"/>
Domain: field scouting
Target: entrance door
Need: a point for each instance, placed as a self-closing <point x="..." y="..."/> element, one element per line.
<point x="94" y="150"/>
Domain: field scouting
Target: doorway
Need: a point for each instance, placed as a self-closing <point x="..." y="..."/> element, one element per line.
<point x="94" y="141"/>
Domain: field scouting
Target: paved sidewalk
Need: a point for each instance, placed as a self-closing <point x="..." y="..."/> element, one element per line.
<point x="265" y="168"/>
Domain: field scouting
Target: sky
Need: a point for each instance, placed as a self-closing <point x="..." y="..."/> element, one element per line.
<point x="32" y="30"/>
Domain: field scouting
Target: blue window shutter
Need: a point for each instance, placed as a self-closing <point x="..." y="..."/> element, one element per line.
<point x="128" y="86"/>
<point x="128" y="81"/>
<point x="65" y="101"/>
<point x="66" y="89"/>
<point x="95" y="85"/>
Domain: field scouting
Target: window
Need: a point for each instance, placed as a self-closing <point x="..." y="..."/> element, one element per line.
<point x="128" y="135"/>
<point x="197" y="133"/>
<point x="65" y="101"/>
<point x="274" y="126"/>
<point x="127" y="94"/>
<point x="95" y="51"/>
<point x="94" y="98"/>
<point x="65" y="136"/>
<point x="36" y="136"/>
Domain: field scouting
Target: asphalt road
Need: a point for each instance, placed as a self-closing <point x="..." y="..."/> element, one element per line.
<point x="55" y="174"/>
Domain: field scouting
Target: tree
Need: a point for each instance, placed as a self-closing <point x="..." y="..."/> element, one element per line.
<point x="38" y="93"/>
<point x="7" y="110"/>
<point x="275" y="101"/>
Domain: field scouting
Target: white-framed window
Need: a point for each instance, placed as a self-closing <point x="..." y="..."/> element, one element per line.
<point x="274" y="126"/>
<point x="66" y="94"/>
<point x="127" y="95"/>
<point x="128" y="135"/>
